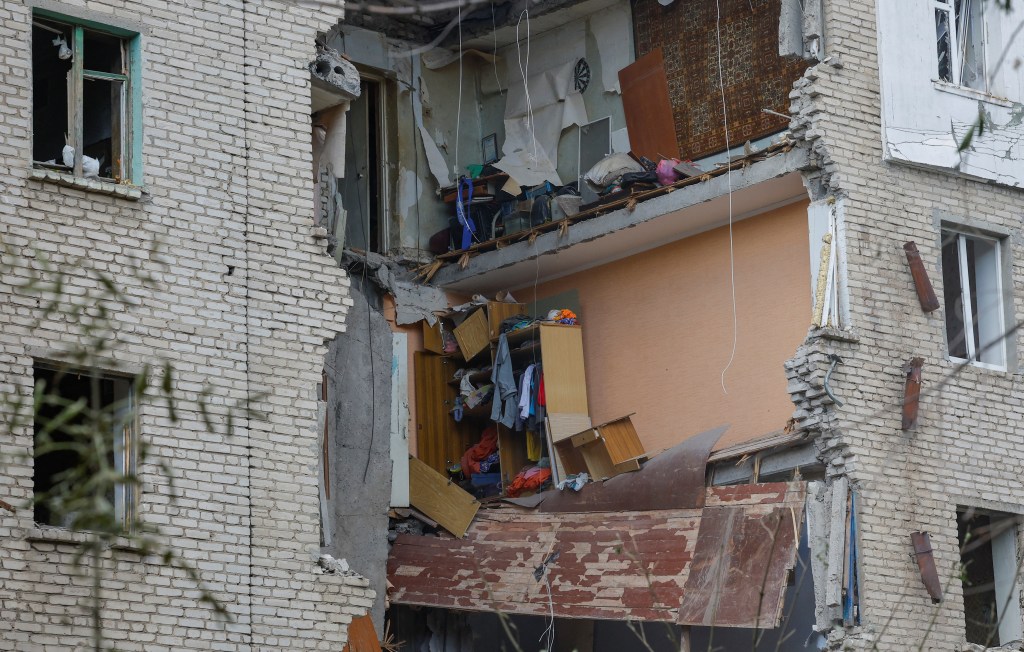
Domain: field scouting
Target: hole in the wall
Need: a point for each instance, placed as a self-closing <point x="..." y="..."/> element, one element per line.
<point x="323" y="68"/>
<point x="339" y="70"/>
<point x="231" y="270"/>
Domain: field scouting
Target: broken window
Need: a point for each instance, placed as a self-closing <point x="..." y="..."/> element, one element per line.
<point x="82" y="99"/>
<point x="971" y="275"/>
<point x="365" y="186"/>
<point x="84" y="435"/>
<point x="960" y="42"/>
<point x="988" y="570"/>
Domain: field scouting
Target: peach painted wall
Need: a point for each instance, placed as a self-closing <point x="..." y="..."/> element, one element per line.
<point x="658" y="330"/>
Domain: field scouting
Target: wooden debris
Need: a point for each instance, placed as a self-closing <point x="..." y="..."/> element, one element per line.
<point x="464" y="261"/>
<point x="440" y="499"/>
<point x="362" y="637"/>
<point x="563" y="230"/>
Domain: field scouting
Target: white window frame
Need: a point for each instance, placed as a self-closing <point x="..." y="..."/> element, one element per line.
<point x="957" y="48"/>
<point x="1003" y="542"/>
<point x="997" y="317"/>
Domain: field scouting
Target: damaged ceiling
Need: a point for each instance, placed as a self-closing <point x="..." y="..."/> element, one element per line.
<point x="420" y="23"/>
<point x="705" y="566"/>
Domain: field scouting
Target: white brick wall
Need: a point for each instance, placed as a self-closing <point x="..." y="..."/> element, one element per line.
<point x="227" y="172"/>
<point x="970" y="443"/>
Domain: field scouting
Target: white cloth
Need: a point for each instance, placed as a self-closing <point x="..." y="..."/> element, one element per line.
<point x="524" y="392"/>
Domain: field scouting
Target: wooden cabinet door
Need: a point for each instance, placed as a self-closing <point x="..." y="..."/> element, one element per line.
<point x="649" y="120"/>
<point x="439" y="439"/>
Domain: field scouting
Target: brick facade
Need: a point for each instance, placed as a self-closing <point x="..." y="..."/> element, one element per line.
<point x="966" y="450"/>
<point x="244" y="303"/>
<point x="755" y="75"/>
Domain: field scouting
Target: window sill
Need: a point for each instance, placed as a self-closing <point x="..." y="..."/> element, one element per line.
<point x="52" y="534"/>
<point x="987" y="366"/>
<point x="974" y="94"/>
<point x="125" y="191"/>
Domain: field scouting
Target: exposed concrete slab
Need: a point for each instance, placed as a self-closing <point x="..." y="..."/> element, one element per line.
<point x="762" y="186"/>
<point x="359" y="422"/>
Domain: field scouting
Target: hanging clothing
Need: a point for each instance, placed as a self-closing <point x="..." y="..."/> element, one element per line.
<point x="506" y="398"/>
<point x="525" y="398"/>
<point x="533" y="446"/>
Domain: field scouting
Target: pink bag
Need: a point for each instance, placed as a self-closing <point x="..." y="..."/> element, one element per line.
<point x="666" y="175"/>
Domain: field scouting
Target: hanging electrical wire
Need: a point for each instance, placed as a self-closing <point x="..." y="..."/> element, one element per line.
<point x="728" y="176"/>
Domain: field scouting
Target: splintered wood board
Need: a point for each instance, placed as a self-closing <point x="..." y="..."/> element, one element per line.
<point x="444" y="501"/>
<point x="362" y="637"/>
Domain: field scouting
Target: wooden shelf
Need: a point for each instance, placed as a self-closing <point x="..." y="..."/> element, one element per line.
<point x="521" y="335"/>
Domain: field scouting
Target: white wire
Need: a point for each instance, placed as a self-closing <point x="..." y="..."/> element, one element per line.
<point x="458" y="119"/>
<point x="549" y="633"/>
<point x="728" y="176"/>
<point x="494" y="59"/>
<point x="524" y="71"/>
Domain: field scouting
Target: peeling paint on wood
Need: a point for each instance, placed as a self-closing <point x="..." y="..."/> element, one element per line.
<point x="611" y="565"/>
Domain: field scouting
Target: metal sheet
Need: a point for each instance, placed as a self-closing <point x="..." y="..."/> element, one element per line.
<point x="609" y="565"/>
<point x="741" y="564"/>
<point x="673" y="479"/>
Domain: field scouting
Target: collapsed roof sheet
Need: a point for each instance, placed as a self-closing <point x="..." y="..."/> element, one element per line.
<point x="704" y="566"/>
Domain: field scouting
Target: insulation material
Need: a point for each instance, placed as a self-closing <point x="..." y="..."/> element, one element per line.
<point x="438" y="167"/>
<point x="329" y="138"/>
<point x="538" y="106"/>
<point x="613" y="31"/>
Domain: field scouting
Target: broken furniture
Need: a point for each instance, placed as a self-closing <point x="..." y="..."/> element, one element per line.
<point x="441" y="440"/>
<point x="440" y="499"/>
<point x="474" y="333"/>
<point x="602" y="451"/>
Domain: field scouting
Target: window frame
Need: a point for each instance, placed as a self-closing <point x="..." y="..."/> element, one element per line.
<point x="124" y="445"/>
<point x="967" y="315"/>
<point x="131" y="129"/>
<point x="1003" y="540"/>
<point x="956" y="51"/>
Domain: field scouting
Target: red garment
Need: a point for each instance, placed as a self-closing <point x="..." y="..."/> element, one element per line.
<point x="540" y="391"/>
<point x="529" y="479"/>
<point x="478" y="453"/>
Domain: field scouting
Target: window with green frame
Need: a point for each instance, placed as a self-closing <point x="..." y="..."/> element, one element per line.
<point x="85" y="99"/>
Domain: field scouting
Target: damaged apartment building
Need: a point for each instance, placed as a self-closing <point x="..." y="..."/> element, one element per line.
<point x="738" y="277"/>
<point x="572" y="325"/>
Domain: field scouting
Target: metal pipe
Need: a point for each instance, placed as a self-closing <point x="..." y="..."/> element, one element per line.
<point x="828" y="374"/>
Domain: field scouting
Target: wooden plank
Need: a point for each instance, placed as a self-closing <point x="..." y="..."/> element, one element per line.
<point x="621" y="440"/>
<point x="512" y="453"/>
<point x="565" y="384"/>
<point x="645" y="102"/>
<point x="362" y="637"/>
<point x="599" y="464"/>
<point x="471" y="335"/>
<point x="444" y="501"/>
<point x="499" y="311"/>
<point x="564" y="426"/>
<point x="432" y="337"/>
<point x="584" y="437"/>
<point x="439" y="440"/>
